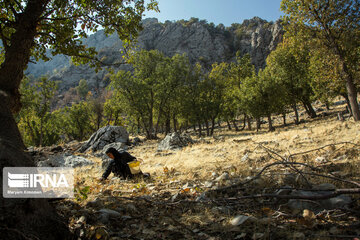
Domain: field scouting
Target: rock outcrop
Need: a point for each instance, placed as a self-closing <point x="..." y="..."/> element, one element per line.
<point x="174" y="141"/>
<point x="104" y="136"/>
<point x="65" y="160"/>
<point x="201" y="41"/>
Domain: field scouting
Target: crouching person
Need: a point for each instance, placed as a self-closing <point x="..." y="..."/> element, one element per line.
<point x="119" y="165"/>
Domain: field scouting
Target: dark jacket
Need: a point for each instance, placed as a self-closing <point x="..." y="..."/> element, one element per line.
<point x="119" y="166"/>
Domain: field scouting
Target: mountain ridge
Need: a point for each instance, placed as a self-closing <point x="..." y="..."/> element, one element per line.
<point x="201" y="41"/>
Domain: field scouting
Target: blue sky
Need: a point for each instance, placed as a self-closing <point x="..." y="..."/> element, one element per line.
<point x="217" y="11"/>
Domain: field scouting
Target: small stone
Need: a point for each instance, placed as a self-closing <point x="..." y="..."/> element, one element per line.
<point x="242" y="235"/>
<point x="298" y="236"/>
<point x="174" y="197"/>
<point x="214" y="174"/>
<point x="109" y="212"/>
<point x="257" y="236"/>
<point x="82" y="219"/>
<point x="238" y="220"/>
<point x="208" y="184"/>
<point x="222" y="177"/>
<point x="245" y="157"/>
<point x="320" y="160"/>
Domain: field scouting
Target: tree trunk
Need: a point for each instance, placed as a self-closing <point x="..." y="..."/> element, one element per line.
<point x="296" y="114"/>
<point x="244" y="123"/>
<point x="207" y="128"/>
<point x="348" y="103"/>
<point x="309" y="109"/>
<point x="200" y="130"/>
<point x="327" y="105"/>
<point x="350" y="87"/>
<point x="258" y="124"/>
<point x="212" y="126"/>
<point x="174" y="122"/>
<point x="235" y="126"/>
<point x="352" y="95"/>
<point x="271" y="128"/>
<point x="284" y="119"/>
<point x="228" y="124"/>
<point x="248" y="122"/>
<point x="23" y="218"/>
<point x="167" y="126"/>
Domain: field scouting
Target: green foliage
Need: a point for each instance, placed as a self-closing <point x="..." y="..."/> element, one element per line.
<point x="82" y="89"/>
<point x="35" y="120"/>
<point x="76" y="121"/>
<point x="290" y="65"/>
<point x="331" y="26"/>
<point x="148" y="95"/>
<point x="261" y="95"/>
<point x="81" y="193"/>
<point x="63" y="23"/>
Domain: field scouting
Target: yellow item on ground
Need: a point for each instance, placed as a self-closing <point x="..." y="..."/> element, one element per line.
<point x="134" y="166"/>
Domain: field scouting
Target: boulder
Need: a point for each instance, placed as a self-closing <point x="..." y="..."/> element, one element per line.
<point x="174" y="141"/>
<point x="341" y="201"/>
<point x="65" y="160"/>
<point x="120" y="146"/>
<point x="105" y="136"/>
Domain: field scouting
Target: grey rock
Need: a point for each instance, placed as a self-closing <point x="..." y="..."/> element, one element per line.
<point x="317" y="206"/>
<point x="65" y="160"/>
<point x="238" y="220"/>
<point x="174" y="141"/>
<point x="325" y="186"/>
<point x="223" y="177"/>
<point x="105" y="136"/>
<point x="106" y="214"/>
<point x="120" y="146"/>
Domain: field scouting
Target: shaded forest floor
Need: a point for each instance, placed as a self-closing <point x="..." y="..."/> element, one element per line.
<point x="189" y="196"/>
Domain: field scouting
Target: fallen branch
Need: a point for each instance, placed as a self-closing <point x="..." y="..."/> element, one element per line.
<point x="259" y="174"/>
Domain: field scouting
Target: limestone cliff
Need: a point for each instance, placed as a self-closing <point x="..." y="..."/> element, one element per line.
<point x="201" y="41"/>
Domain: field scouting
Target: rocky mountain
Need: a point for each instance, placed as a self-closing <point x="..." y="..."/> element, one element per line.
<point x="201" y="41"/>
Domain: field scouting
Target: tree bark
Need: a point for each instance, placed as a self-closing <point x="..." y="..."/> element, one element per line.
<point x="296" y="113"/>
<point x="309" y="109"/>
<point x="258" y="124"/>
<point x="271" y="127"/>
<point x="244" y="123"/>
<point x="235" y="126"/>
<point x="212" y="127"/>
<point x="28" y="218"/>
<point x="348" y="104"/>
<point x="248" y="122"/>
<point x="228" y="124"/>
<point x="352" y="95"/>
<point x="284" y="119"/>
<point x="207" y="128"/>
<point x="174" y="122"/>
<point x="200" y="130"/>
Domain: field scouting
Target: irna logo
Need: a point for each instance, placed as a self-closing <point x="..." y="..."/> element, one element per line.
<point x="36" y="180"/>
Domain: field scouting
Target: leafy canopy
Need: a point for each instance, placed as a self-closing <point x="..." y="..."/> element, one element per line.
<point x="63" y="23"/>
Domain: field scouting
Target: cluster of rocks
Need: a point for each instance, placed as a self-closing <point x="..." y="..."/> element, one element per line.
<point x="106" y="137"/>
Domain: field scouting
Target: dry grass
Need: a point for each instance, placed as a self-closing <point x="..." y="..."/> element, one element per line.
<point x="212" y="156"/>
